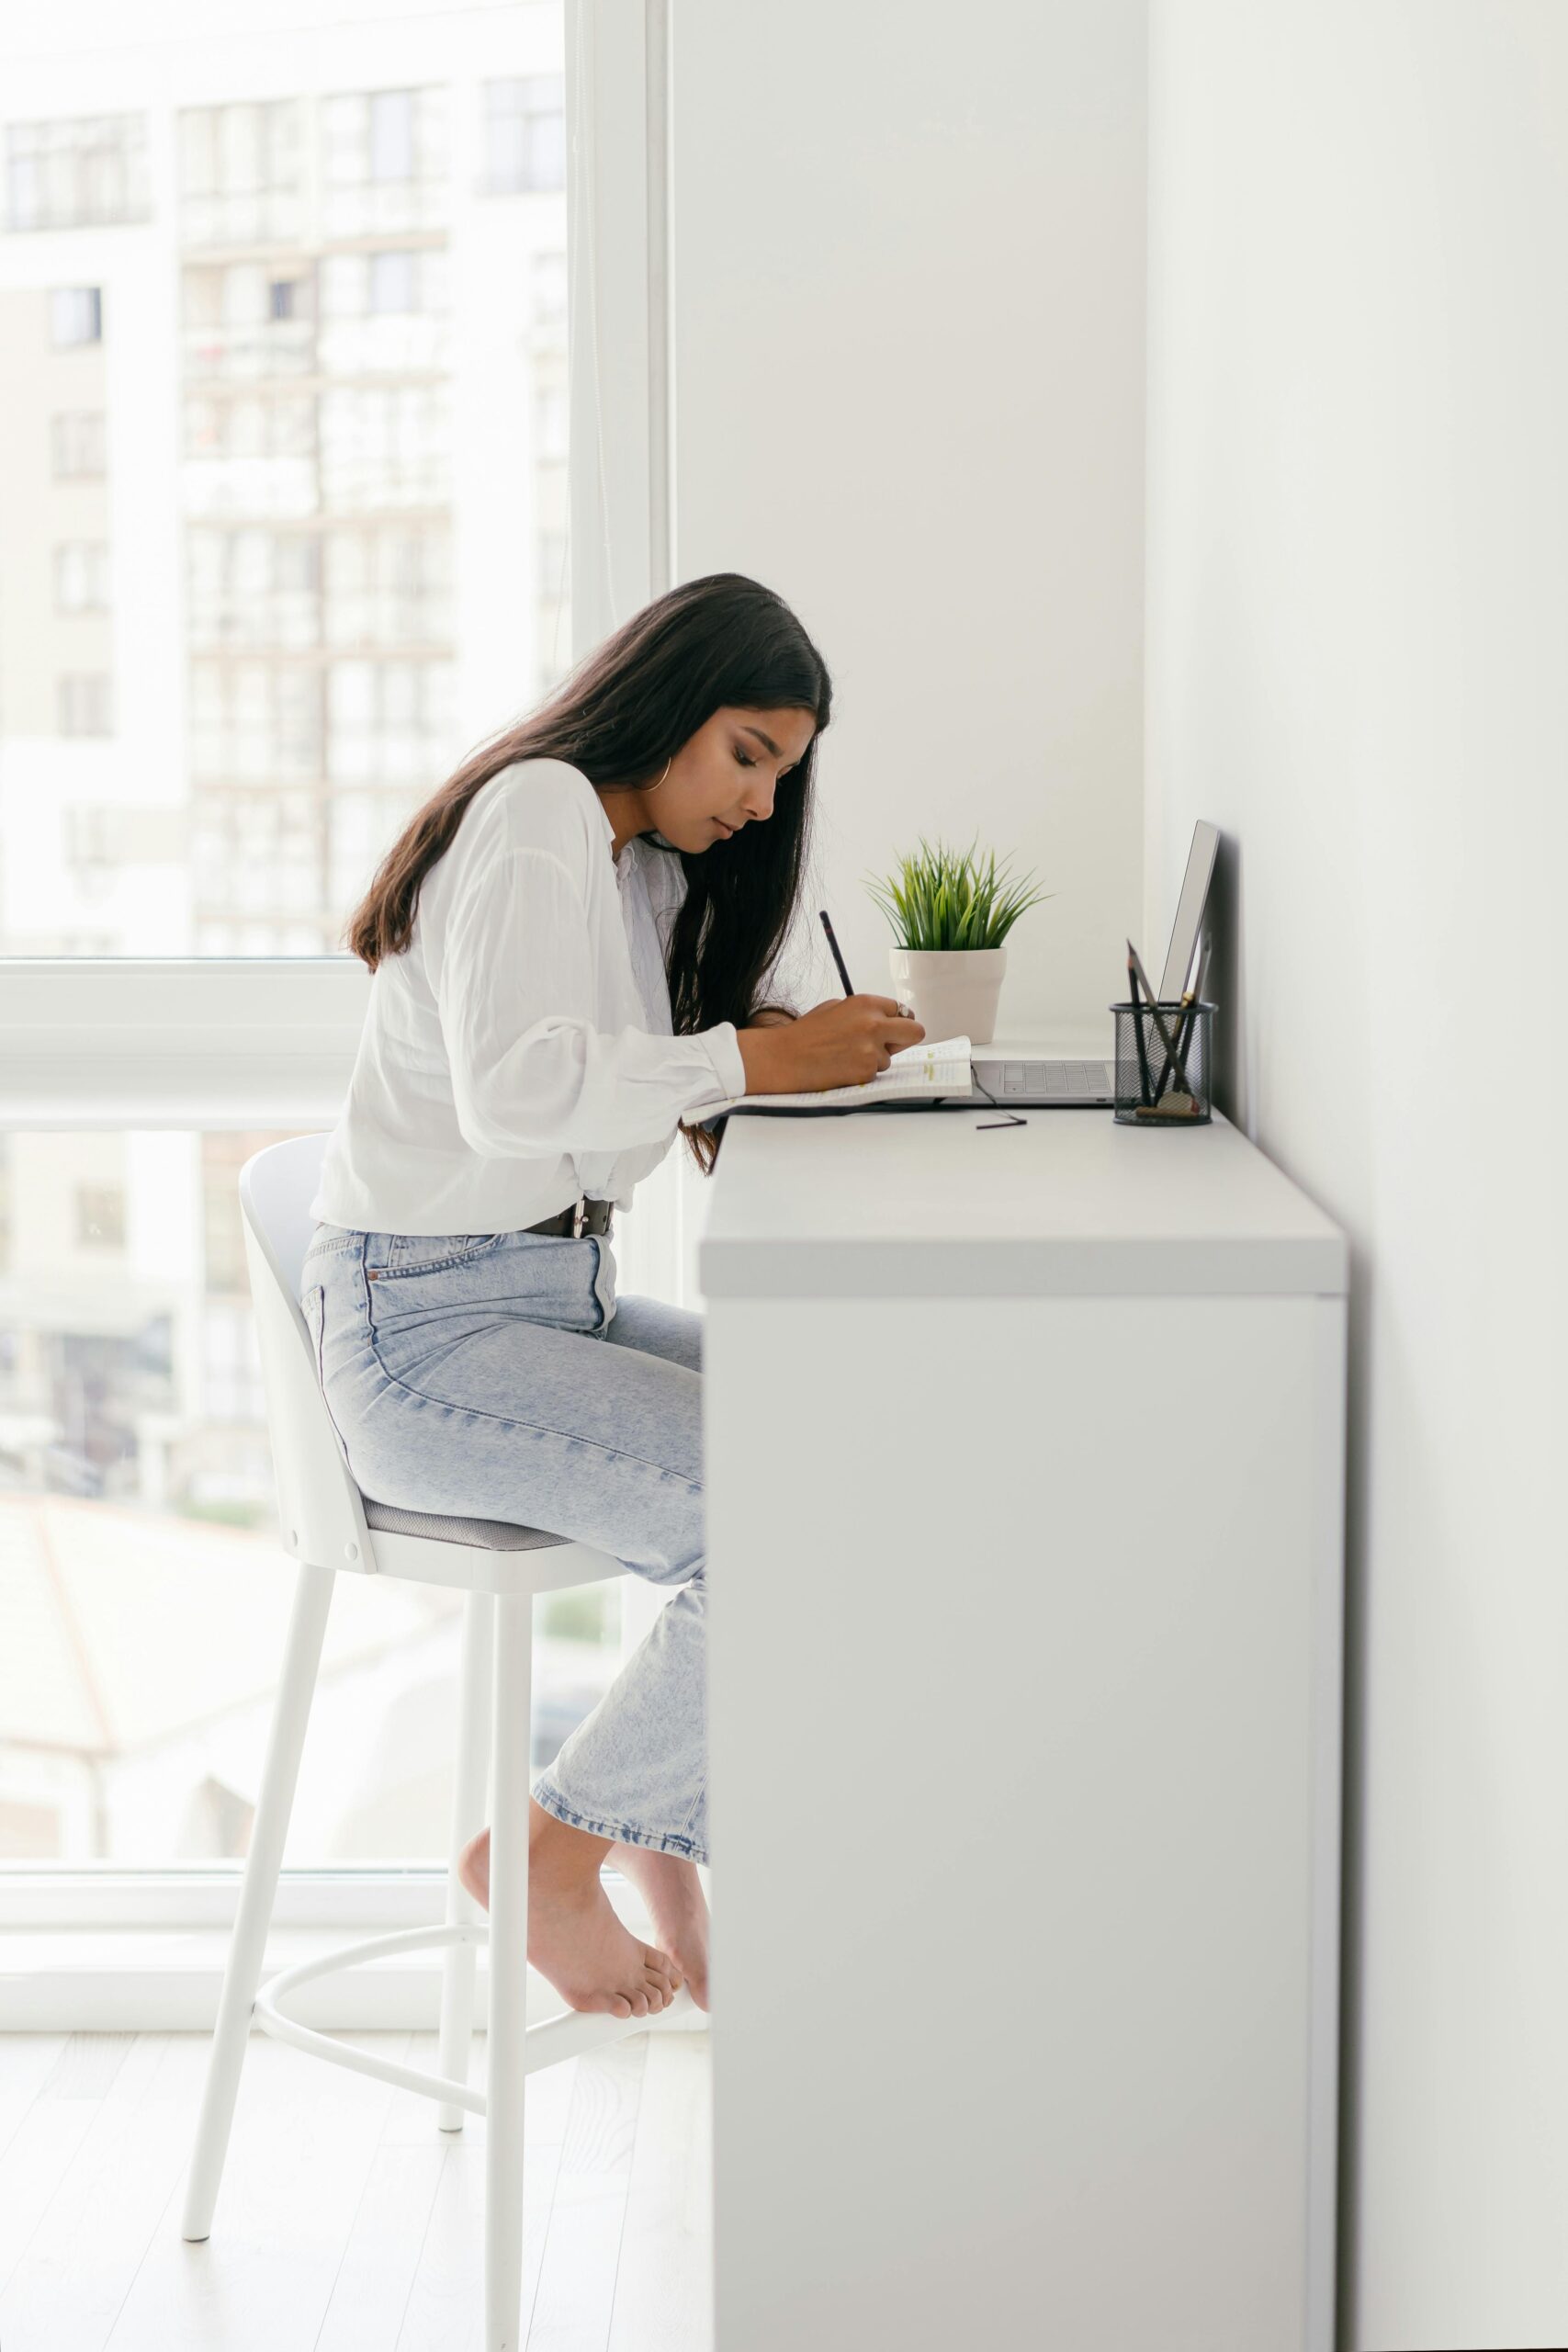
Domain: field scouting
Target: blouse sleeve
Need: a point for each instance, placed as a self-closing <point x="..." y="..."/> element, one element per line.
<point x="532" y="1077"/>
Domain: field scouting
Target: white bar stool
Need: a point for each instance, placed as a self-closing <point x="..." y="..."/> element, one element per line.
<point x="330" y="1527"/>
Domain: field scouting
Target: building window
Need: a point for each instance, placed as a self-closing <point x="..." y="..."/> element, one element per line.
<point x="525" y="134"/>
<point x="90" y="173"/>
<point x="75" y="314"/>
<point x="232" y="325"/>
<point x="240" y="170"/>
<point x="76" y="440"/>
<point x="83" y="703"/>
<point x="385" y="160"/>
<point x="386" y="448"/>
<point x="82" y="576"/>
<point x="552" y="565"/>
<point x="100" y="1216"/>
<point x="548" y="289"/>
<point x="254" y="721"/>
<point x="389" y="722"/>
<point x="392" y="282"/>
<point x="550" y="422"/>
<point x="387" y="585"/>
<point x="390" y="129"/>
<point x="253" y="586"/>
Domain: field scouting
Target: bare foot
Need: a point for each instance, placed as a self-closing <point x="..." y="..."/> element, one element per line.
<point x="673" y="1893"/>
<point x="574" y="1938"/>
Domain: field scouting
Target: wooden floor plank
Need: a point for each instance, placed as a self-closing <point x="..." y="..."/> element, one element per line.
<point x="577" y="2284"/>
<point x="76" y="2270"/>
<point x="27" y="2059"/>
<point x="663" y="2281"/>
<point x="445" y="2308"/>
<point x="305" y="2138"/>
<point x="346" y="2222"/>
<point x="44" y="2145"/>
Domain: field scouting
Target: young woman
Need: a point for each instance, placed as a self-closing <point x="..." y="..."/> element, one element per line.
<point x="573" y="942"/>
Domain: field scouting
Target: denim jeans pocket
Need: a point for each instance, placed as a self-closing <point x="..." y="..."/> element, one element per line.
<point x="426" y="1253"/>
<point x="430" y="1283"/>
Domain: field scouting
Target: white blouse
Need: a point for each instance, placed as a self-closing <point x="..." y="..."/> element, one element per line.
<point x="519" y="1052"/>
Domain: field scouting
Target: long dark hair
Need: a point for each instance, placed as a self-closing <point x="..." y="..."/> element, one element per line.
<point x="721" y="642"/>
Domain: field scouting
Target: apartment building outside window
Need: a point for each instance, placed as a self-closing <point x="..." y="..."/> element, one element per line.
<point x="385" y="160"/>
<point x="77" y="445"/>
<point x="82" y="577"/>
<point x="89" y="172"/>
<point x="525" y="134"/>
<point x="241" y="171"/>
<point x="83" y="703"/>
<point x="76" y="314"/>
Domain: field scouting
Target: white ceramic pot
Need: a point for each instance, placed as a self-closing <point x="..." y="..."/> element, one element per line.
<point x="953" y="991"/>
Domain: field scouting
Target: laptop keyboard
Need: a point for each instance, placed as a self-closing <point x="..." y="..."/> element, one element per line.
<point x="1045" y="1081"/>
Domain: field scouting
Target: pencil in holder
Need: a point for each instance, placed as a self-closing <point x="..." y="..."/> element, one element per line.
<point x="1164" y="1061"/>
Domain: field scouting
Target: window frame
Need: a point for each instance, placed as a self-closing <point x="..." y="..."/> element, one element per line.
<point x="214" y="1041"/>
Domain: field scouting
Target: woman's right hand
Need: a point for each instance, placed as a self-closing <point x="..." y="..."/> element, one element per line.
<point x="842" y="1042"/>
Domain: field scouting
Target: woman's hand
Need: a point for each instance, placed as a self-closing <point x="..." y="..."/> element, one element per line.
<point x="840" y="1042"/>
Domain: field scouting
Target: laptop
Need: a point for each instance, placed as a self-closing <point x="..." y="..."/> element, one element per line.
<point x="1065" y="1085"/>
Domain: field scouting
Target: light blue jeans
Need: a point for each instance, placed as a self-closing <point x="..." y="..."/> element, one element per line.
<point x="495" y="1375"/>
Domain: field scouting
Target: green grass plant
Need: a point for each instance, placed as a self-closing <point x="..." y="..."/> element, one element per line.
<point x="943" y="899"/>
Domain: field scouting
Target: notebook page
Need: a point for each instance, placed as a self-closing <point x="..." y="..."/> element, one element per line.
<point x="929" y="1068"/>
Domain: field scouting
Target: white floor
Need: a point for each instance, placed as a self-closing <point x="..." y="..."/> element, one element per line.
<point x="346" y="2222"/>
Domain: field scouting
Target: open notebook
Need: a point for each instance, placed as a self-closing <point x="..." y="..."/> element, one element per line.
<point x="918" y="1074"/>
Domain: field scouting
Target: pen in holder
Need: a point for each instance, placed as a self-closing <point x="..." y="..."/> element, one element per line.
<point x="1163" y="1055"/>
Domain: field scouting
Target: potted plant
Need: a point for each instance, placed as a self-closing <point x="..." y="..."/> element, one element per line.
<point x="951" y="912"/>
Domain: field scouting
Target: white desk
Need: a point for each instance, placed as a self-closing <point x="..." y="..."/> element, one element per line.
<point x="1025" y="1495"/>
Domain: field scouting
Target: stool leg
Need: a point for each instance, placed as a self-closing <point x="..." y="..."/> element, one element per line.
<point x="505" y="2057"/>
<point x="467" y="1819"/>
<point x="247" y="1948"/>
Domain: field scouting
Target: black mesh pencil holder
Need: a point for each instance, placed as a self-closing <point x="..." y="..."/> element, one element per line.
<point x="1164" y="1064"/>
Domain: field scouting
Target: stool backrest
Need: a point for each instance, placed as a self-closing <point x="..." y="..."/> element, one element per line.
<point x="320" y="1508"/>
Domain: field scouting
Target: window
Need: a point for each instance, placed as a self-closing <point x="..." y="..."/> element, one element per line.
<point x="82" y="577"/>
<point x="241" y="171"/>
<point x="232" y="326"/>
<point x="385" y="719"/>
<point x="549" y="290"/>
<point x="83" y="703"/>
<point x="347" y="386"/>
<point x="385" y="160"/>
<point x="76" y="445"/>
<point x="250" y="452"/>
<point x="390" y="127"/>
<point x="255" y="720"/>
<point x="386" y="313"/>
<point x="386" y="448"/>
<point x="100" y="1216"/>
<point x="87" y="172"/>
<point x="144" y="1594"/>
<point x="525" y="134"/>
<point x="76" y="315"/>
<point x="386" y="584"/>
<point x="256" y="585"/>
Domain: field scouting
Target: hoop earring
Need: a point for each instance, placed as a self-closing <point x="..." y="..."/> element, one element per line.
<point x="653" y="788"/>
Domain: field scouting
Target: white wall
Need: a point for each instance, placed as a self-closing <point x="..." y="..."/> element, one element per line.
<point x="1357" y="621"/>
<point x="908" y="344"/>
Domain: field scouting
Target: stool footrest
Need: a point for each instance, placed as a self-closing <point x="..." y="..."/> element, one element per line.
<point x="544" y="2045"/>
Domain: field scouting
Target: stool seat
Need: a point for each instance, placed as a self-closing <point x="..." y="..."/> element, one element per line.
<point x="483" y="1534"/>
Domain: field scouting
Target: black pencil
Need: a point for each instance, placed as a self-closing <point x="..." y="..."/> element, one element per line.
<point x="1176" y="1067"/>
<point x="1138" y="1025"/>
<point x="843" y="974"/>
